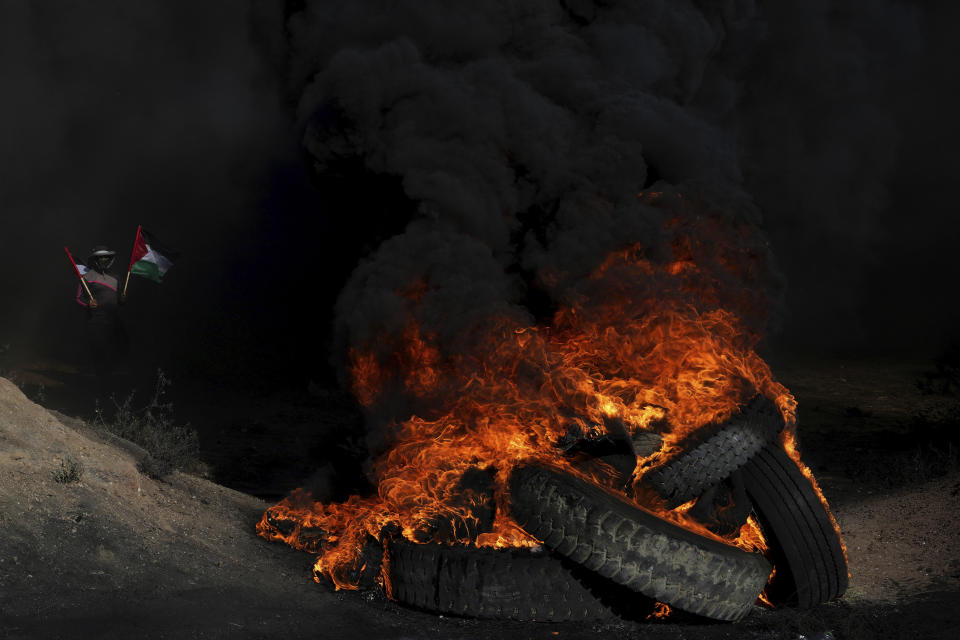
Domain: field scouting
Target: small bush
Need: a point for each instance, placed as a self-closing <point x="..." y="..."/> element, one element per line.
<point x="70" y="471"/>
<point x="169" y="446"/>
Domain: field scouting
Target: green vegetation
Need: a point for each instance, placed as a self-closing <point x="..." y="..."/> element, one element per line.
<point x="169" y="446"/>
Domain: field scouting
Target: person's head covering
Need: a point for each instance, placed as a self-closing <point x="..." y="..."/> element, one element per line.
<point x="101" y="258"/>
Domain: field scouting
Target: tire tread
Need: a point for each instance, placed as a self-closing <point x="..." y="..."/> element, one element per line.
<point x="635" y="548"/>
<point x="701" y="466"/>
<point x="514" y="584"/>
<point x="791" y="512"/>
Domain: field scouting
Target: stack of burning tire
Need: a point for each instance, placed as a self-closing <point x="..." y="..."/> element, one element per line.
<point x="604" y="554"/>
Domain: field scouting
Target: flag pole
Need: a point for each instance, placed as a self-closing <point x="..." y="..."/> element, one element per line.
<point x="133" y="252"/>
<point x="79" y="275"/>
<point x="125" y="283"/>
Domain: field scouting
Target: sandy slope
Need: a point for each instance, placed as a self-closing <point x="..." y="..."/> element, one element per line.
<point x="120" y="555"/>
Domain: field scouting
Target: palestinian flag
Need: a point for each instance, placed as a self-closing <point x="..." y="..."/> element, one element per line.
<point x="150" y="259"/>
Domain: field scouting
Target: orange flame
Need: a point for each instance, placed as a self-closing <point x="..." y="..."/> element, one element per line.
<point x="763" y="600"/>
<point x="751" y="536"/>
<point x="658" y="356"/>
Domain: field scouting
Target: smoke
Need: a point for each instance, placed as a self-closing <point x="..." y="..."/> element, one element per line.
<point x="524" y="132"/>
<point x="529" y="127"/>
<point x="486" y="159"/>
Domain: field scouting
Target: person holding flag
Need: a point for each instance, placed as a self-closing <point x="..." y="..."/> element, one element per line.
<point x="98" y="292"/>
<point x="96" y="283"/>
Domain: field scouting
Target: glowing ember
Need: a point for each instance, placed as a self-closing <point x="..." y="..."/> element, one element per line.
<point x="661" y="611"/>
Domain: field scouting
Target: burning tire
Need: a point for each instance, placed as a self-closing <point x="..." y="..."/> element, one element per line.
<point x="806" y="549"/>
<point x="515" y="584"/>
<point x="723" y="508"/>
<point x="700" y="467"/>
<point x="634" y="548"/>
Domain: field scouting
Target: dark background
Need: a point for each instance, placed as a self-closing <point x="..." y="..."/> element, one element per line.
<point x="176" y="116"/>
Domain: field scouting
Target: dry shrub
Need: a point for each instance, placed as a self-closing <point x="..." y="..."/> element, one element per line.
<point x="70" y="471"/>
<point x="169" y="446"/>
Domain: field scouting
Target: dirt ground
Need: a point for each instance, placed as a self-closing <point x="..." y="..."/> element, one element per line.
<point x="119" y="555"/>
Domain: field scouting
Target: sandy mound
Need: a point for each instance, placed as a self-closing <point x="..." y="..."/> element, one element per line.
<point x="115" y="524"/>
<point x="120" y="555"/>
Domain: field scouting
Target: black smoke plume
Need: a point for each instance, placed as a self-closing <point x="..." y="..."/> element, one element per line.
<point x="527" y="135"/>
